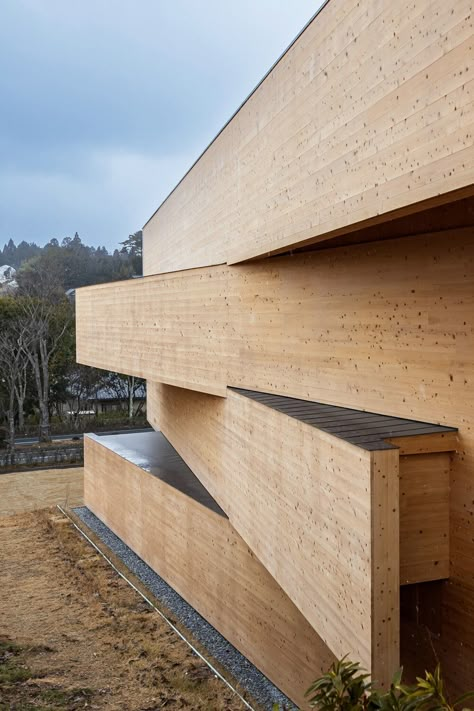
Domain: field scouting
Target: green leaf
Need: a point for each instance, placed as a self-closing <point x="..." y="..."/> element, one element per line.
<point x="464" y="697"/>
<point x="397" y="677"/>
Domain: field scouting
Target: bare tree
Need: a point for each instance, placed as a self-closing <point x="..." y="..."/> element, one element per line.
<point x="21" y="390"/>
<point x="45" y="317"/>
<point x="83" y="385"/>
<point x="12" y="366"/>
<point x="126" y="389"/>
<point x="131" y="392"/>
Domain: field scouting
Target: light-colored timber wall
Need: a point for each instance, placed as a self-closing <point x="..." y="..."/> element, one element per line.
<point x="387" y="327"/>
<point x="236" y="446"/>
<point x="370" y="111"/>
<point x="201" y="556"/>
<point x="305" y="502"/>
<point x="424" y="517"/>
<point x="385" y="319"/>
<point x="170" y="329"/>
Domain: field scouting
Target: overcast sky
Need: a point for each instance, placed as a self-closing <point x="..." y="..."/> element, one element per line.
<point x="104" y="104"/>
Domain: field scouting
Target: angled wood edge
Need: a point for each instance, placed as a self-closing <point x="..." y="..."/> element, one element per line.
<point x="199" y="554"/>
<point x="219" y="390"/>
<point x="255" y="462"/>
<point x="385" y="565"/>
<point x="425" y="444"/>
<point x="301" y="159"/>
<point x="308" y="238"/>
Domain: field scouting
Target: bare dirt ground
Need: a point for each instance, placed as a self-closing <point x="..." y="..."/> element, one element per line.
<point x="74" y="635"/>
<point x="36" y="489"/>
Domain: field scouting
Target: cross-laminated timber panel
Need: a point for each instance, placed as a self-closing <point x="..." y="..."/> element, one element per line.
<point x="387" y="328"/>
<point x="209" y="430"/>
<point x="170" y="328"/>
<point x="369" y="112"/>
<point x="325" y="326"/>
<point x="319" y="513"/>
<point x="200" y="555"/>
<point x="424" y="516"/>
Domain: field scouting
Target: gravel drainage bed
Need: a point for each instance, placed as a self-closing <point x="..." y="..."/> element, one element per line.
<point x="243" y="671"/>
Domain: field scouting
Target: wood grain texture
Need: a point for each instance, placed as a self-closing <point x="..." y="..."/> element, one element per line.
<point x="308" y="505"/>
<point x="424" y="517"/>
<point x="202" y="557"/>
<point x="370" y="112"/>
<point x="386" y="327"/>
<point x="385" y="561"/>
<point x="449" y="214"/>
<point x="425" y="444"/>
<point x="312" y="326"/>
<point x="163" y="328"/>
<point x="424" y="478"/>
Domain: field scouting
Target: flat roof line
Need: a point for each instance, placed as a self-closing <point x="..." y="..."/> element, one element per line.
<point x="323" y="5"/>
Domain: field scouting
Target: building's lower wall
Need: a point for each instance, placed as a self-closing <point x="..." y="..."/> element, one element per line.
<point x="200" y="555"/>
<point x="305" y="502"/>
<point x="255" y="459"/>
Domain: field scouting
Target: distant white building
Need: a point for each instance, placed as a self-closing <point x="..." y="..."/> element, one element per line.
<point x="8" y="282"/>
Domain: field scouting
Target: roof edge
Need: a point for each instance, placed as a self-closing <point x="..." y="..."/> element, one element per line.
<point x="277" y="61"/>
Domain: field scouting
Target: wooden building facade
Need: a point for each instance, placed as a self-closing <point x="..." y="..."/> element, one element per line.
<point x="306" y="327"/>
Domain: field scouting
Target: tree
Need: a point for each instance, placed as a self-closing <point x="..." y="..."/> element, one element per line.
<point x="126" y="388"/>
<point x="21" y="391"/>
<point x="8" y="370"/>
<point x="14" y="256"/>
<point x="43" y="322"/>
<point x="46" y="315"/>
<point x="9" y="253"/>
<point x="133" y="247"/>
<point x="13" y="368"/>
<point x="13" y="365"/>
<point x="133" y="244"/>
<point x="74" y="263"/>
<point x="83" y="386"/>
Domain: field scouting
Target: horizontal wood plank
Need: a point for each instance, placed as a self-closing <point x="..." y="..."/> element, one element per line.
<point x="369" y="112"/>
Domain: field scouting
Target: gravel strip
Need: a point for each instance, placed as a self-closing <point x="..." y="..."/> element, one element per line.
<point x="244" y="672"/>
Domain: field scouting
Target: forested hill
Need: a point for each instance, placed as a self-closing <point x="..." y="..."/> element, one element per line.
<point x="74" y="264"/>
<point x="39" y="376"/>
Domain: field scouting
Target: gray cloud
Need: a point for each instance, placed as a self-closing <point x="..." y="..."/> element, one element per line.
<point x="106" y="103"/>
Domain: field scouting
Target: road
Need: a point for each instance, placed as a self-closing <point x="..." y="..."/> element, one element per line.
<point x="77" y="435"/>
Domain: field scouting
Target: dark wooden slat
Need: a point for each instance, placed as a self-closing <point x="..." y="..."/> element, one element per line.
<point x="364" y="429"/>
<point x="377" y="427"/>
<point x="152" y="452"/>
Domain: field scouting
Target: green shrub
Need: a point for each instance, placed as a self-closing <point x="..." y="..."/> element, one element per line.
<point x="346" y="687"/>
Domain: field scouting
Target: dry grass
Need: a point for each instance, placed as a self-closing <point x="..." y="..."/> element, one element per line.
<point x="82" y="637"/>
<point x="30" y="490"/>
